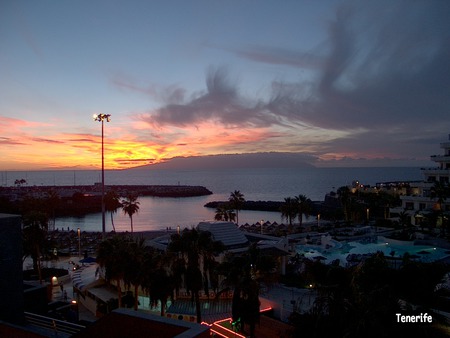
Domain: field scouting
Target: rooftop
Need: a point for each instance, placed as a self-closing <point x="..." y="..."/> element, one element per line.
<point x="226" y="232"/>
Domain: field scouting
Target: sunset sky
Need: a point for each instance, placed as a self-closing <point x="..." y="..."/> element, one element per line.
<point x="342" y="82"/>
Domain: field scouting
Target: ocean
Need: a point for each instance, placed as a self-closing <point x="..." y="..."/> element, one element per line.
<point x="157" y="213"/>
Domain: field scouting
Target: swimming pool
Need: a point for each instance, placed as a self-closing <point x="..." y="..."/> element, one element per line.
<point x="390" y="248"/>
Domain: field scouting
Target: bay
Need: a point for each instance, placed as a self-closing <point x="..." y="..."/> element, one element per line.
<point x="255" y="183"/>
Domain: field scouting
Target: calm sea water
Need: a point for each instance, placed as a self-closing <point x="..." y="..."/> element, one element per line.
<point x="256" y="184"/>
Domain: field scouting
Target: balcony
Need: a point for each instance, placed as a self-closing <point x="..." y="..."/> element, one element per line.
<point x="435" y="172"/>
<point x="441" y="158"/>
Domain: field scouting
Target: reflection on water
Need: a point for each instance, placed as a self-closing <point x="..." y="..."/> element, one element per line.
<point x="160" y="213"/>
<point x="265" y="184"/>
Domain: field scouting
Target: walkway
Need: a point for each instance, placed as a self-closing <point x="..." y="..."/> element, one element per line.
<point x="63" y="291"/>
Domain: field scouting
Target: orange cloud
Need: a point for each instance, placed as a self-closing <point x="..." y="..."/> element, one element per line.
<point x="32" y="145"/>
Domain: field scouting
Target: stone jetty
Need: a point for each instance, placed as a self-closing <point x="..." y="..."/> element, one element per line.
<point x="82" y="199"/>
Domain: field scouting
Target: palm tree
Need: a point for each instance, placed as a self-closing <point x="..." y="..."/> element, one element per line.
<point x="130" y="206"/>
<point x="187" y="244"/>
<point x="52" y="201"/>
<point x="194" y="246"/>
<point x="240" y="275"/>
<point x="224" y="212"/>
<point x="35" y="226"/>
<point x="289" y="210"/>
<point x="304" y="207"/>
<point x="440" y="191"/>
<point x="113" y="254"/>
<point x="236" y="201"/>
<point x="177" y="266"/>
<point x="404" y="218"/>
<point x="209" y="248"/>
<point x="158" y="282"/>
<point x="344" y="194"/>
<point x="112" y="202"/>
<point x="134" y="270"/>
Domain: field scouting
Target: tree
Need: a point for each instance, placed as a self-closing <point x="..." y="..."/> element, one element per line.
<point x="440" y="191"/>
<point x="224" y="212"/>
<point x="289" y="210"/>
<point x="35" y="226"/>
<point x="241" y="275"/>
<point x="161" y="282"/>
<point x="130" y="206"/>
<point x="52" y="201"/>
<point x="344" y="194"/>
<point x="113" y="255"/>
<point x="208" y="249"/>
<point x="112" y="202"/>
<point x="195" y="246"/>
<point x="20" y="182"/>
<point x="304" y="207"/>
<point x="134" y="274"/>
<point x="236" y="201"/>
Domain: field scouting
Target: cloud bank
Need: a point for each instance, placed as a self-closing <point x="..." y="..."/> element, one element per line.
<point x="383" y="75"/>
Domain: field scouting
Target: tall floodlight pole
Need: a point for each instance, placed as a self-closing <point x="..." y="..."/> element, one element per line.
<point x="101" y="118"/>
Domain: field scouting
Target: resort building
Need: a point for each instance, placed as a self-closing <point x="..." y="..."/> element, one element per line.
<point x="425" y="197"/>
<point x="91" y="289"/>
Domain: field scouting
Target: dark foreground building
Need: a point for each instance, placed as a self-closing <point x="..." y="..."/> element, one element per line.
<point x="11" y="288"/>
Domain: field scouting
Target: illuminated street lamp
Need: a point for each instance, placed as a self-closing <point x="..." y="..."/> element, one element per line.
<point x="101" y="118"/>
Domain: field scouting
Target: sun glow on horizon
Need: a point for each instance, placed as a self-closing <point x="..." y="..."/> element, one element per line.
<point x="29" y="145"/>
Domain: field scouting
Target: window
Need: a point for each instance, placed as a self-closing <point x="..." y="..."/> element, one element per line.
<point x="409" y="206"/>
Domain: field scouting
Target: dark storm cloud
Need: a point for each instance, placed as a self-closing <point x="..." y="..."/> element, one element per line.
<point x="388" y="64"/>
<point x="221" y="103"/>
<point x="383" y="75"/>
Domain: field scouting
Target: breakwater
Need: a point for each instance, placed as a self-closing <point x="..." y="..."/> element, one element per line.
<point x="122" y="190"/>
<point x="83" y="199"/>
<point x="251" y="205"/>
<point x="161" y="190"/>
<point x="316" y="207"/>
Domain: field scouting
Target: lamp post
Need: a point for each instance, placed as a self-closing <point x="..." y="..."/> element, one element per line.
<point x="101" y="118"/>
<point x="79" y="243"/>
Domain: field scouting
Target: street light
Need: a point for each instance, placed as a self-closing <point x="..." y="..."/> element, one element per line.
<point x="79" y="243"/>
<point x="101" y="118"/>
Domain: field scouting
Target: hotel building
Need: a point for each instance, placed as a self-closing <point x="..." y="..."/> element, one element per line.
<point x="420" y="201"/>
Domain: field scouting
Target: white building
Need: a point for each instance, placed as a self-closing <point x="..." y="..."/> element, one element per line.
<point x="419" y="202"/>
